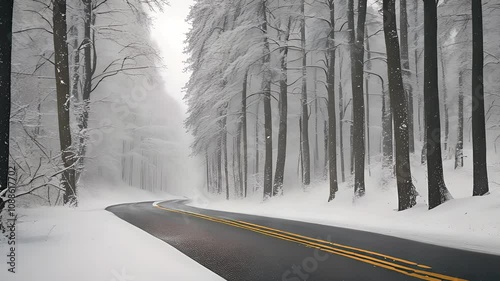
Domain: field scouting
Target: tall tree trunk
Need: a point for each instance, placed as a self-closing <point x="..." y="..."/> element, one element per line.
<point x="445" y="104"/>
<point x="325" y="143"/>
<point x="332" y="120"/>
<point x="357" y="59"/>
<point x="417" y="76"/>
<point x="257" y="155"/>
<point x="478" y="118"/>
<point x="316" y="126"/>
<point x="219" y="155"/>
<point x="87" y="85"/>
<point x="387" y="144"/>
<point x="283" y="112"/>
<point x="237" y="166"/>
<point x="367" y="86"/>
<point x="341" y="121"/>
<point x="244" y="133"/>
<point x="305" y="115"/>
<point x="459" y="150"/>
<point x="63" y="104"/>
<point x="6" y="11"/>
<point x="236" y="157"/>
<point x="76" y="58"/>
<point x="438" y="193"/>
<point x="301" y="162"/>
<point x="225" y="150"/>
<point x="351" y="35"/>
<point x="207" y="164"/>
<point x="268" y="126"/>
<point x="405" y="61"/>
<point x="399" y="105"/>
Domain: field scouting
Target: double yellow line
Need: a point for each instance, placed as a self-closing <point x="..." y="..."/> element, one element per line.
<point x="402" y="266"/>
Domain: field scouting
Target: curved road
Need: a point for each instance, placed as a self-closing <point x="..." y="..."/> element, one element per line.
<point x="245" y="247"/>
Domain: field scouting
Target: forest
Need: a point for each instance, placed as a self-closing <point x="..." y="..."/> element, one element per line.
<point x="85" y="97"/>
<point x="287" y="93"/>
<point x="249" y="140"/>
<point x="282" y="95"/>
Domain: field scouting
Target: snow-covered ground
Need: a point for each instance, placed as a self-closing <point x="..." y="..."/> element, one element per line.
<point x="466" y="222"/>
<point x="89" y="243"/>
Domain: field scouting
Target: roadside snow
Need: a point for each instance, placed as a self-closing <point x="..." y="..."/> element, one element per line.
<point x="467" y="222"/>
<point x="89" y="243"/>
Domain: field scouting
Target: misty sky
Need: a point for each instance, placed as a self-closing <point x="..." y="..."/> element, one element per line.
<point x="169" y="32"/>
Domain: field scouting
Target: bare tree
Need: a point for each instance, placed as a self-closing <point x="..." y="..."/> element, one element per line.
<point x="405" y="61"/>
<point x="357" y="59"/>
<point x="459" y="150"/>
<point x="268" y="126"/>
<point x="61" y="66"/>
<point x="438" y="193"/>
<point x="283" y="112"/>
<point x="478" y="118"/>
<point x="332" y="120"/>
<point x="305" y="115"/>
<point x="244" y="133"/>
<point x="399" y="105"/>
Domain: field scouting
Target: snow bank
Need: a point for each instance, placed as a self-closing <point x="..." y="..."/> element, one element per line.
<point x="466" y="222"/>
<point x="88" y="243"/>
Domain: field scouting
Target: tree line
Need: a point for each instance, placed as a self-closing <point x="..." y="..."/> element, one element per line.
<point x="66" y="52"/>
<point x="330" y="67"/>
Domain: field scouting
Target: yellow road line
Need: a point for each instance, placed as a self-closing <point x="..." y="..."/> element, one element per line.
<point x="340" y="245"/>
<point x="296" y="238"/>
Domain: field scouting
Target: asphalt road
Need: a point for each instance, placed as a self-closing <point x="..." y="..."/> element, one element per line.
<point x="244" y="247"/>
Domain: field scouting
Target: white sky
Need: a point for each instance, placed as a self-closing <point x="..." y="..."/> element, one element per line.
<point x="169" y="31"/>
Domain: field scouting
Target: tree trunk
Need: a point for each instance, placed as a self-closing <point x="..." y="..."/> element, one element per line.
<point x="341" y="122"/>
<point x="316" y="126"/>
<point x="87" y="84"/>
<point x="305" y="115"/>
<point x="417" y="84"/>
<point x="399" y="105"/>
<point x="257" y="156"/>
<point x="438" y="193"/>
<point x="268" y="126"/>
<point x="224" y="147"/>
<point x="219" y="156"/>
<point x="236" y="158"/>
<point x="325" y="133"/>
<point x="76" y="59"/>
<point x="478" y="118"/>
<point x="332" y="120"/>
<point x="367" y="86"/>
<point x="445" y="105"/>
<point x="237" y="166"/>
<point x="387" y="144"/>
<point x="283" y="112"/>
<point x="6" y="11"/>
<point x="357" y="60"/>
<point x="301" y="161"/>
<point x="459" y="150"/>
<point x="207" y="164"/>
<point x="351" y="34"/>
<point x="244" y="133"/>
<point x="405" y="61"/>
<point x="63" y="103"/>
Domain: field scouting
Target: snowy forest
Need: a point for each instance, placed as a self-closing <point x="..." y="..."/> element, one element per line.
<point x="87" y="100"/>
<point x="249" y="140"/>
<point x="288" y="94"/>
<point x="282" y="95"/>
